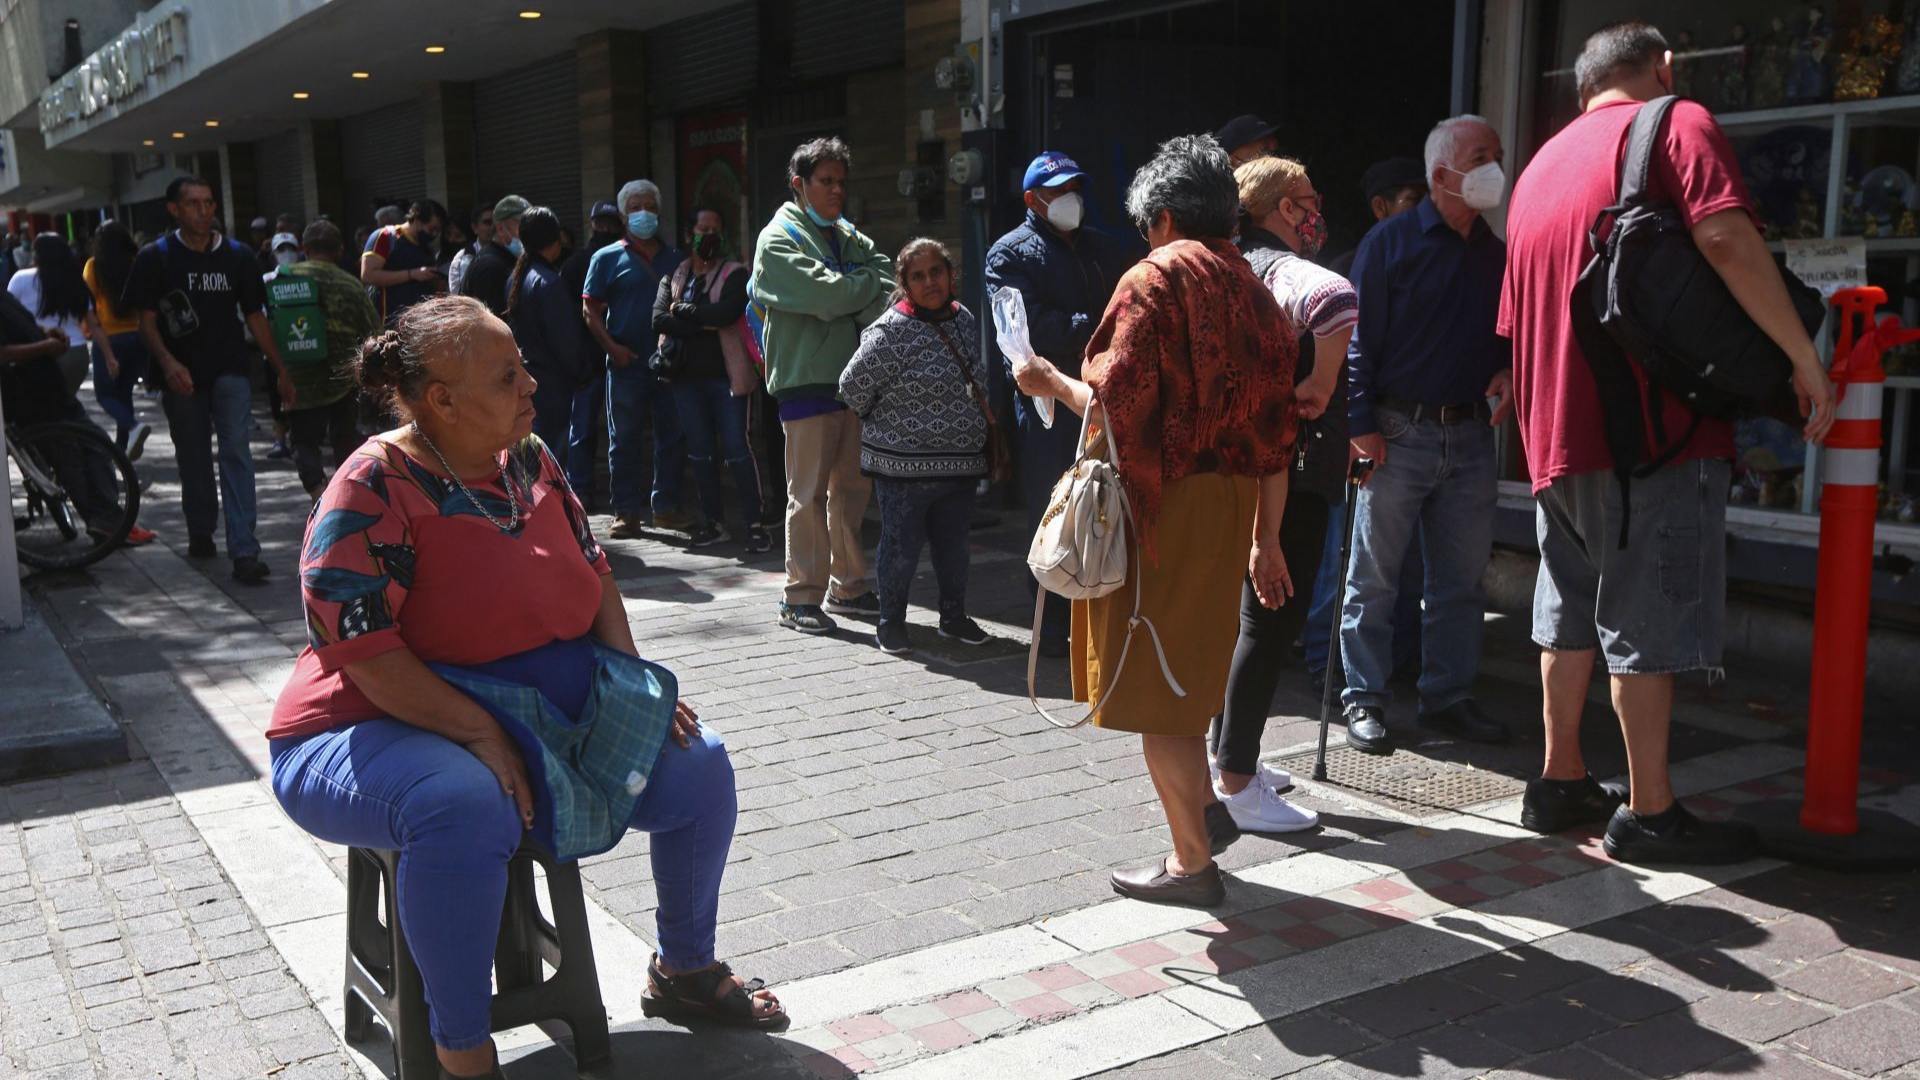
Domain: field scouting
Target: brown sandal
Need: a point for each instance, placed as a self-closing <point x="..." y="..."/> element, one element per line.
<point x="694" y="995"/>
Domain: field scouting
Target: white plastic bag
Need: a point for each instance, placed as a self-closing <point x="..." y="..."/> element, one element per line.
<point x="1010" y="330"/>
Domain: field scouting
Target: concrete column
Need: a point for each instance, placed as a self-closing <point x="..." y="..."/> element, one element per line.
<point x="613" y="112"/>
<point x="239" y="185"/>
<point x="322" y="173"/>
<point x="447" y="142"/>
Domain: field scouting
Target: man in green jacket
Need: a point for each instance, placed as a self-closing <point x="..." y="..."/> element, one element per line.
<point x="320" y="315"/>
<point x="820" y="281"/>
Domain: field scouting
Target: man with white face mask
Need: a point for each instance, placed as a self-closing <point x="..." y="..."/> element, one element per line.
<point x="1429" y="381"/>
<point x="1065" y="272"/>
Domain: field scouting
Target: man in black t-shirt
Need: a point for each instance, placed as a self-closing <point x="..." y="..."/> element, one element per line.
<point x="400" y="262"/>
<point x="191" y="288"/>
<point x="487" y="275"/>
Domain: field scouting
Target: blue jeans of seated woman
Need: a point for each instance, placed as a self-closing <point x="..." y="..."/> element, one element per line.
<point x="715" y="424"/>
<point x="388" y="785"/>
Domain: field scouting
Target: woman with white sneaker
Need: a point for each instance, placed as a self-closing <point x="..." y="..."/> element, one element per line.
<point x="1282" y="228"/>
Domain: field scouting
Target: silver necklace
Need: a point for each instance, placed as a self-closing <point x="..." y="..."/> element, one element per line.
<point x="512" y="522"/>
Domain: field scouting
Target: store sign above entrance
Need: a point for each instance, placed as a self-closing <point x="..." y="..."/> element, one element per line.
<point x="119" y="70"/>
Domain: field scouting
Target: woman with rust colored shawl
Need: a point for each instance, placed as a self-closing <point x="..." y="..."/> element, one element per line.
<point x="1192" y="373"/>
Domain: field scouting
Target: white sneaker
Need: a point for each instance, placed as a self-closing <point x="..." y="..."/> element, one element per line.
<point x="1260" y="809"/>
<point x="1272" y="775"/>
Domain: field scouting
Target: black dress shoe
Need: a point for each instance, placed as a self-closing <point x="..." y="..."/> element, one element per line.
<point x="1677" y="837"/>
<point x="1222" y="830"/>
<point x="1367" y="729"/>
<point x="201" y="547"/>
<point x="1551" y="806"/>
<point x="1156" y="886"/>
<point x="1464" y="720"/>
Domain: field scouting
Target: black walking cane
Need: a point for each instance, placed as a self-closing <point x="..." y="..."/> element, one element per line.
<point x="1356" y="475"/>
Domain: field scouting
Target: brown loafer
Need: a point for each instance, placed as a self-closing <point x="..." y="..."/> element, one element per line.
<point x="1156" y="886"/>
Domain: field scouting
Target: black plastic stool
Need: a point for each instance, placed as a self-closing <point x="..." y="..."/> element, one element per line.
<point x="383" y="983"/>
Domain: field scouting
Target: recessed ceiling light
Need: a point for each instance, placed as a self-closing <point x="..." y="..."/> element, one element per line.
<point x="179" y="134"/>
<point x="361" y="75"/>
<point x="146" y="142"/>
<point x="436" y="49"/>
<point x="213" y="123"/>
<point x="529" y="14"/>
<point x="301" y="95"/>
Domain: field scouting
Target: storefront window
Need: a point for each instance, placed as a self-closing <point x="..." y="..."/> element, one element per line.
<point x="1822" y="103"/>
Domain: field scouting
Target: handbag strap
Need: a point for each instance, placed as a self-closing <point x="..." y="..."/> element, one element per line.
<point x="1134" y="621"/>
<point x="966" y="372"/>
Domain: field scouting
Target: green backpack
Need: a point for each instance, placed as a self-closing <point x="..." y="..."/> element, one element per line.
<point x="299" y="326"/>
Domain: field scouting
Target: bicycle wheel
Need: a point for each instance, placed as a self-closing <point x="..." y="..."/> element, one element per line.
<point x="75" y="496"/>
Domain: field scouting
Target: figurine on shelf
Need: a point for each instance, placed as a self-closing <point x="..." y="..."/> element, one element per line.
<point x="1871" y="52"/>
<point x="1767" y="75"/>
<point x="1806" y="224"/>
<point x="1908" y="225"/>
<point x="1853" y="214"/>
<point x="1807" y="60"/>
<point x="1731" y="93"/>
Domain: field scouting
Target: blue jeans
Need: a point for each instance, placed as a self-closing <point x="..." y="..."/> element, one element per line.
<point x="634" y="395"/>
<point x="221" y="407"/>
<point x="388" y="785"/>
<point x="116" y="394"/>
<point x="589" y="417"/>
<point x="914" y="513"/>
<point x="1441" y="479"/>
<point x="1317" y="635"/>
<point x="715" y="424"/>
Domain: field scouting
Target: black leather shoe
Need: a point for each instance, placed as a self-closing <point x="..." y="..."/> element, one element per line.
<point x="1367" y="729"/>
<point x="1154" y="885"/>
<point x="201" y="547"/>
<point x="1222" y="830"/>
<point x="1551" y="807"/>
<point x="1464" y="720"/>
<point x="1682" y="839"/>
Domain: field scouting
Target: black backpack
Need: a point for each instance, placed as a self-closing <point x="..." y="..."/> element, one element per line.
<point x="1648" y="293"/>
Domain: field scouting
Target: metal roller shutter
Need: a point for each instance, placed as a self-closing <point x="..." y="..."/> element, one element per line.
<point x="710" y="59"/>
<point x="528" y="136"/>
<point x="278" y="186"/>
<point x="834" y="37"/>
<point x="382" y="159"/>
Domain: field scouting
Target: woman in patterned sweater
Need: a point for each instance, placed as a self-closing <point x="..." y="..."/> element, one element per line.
<point x="916" y="383"/>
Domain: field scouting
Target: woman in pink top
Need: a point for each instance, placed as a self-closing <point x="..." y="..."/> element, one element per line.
<point x="456" y="541"/>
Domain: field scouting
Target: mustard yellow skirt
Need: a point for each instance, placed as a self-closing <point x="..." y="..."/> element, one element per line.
<point x="1192" y="594"/>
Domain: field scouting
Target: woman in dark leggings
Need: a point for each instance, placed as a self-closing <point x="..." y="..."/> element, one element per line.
<point x="1282" y="224"/>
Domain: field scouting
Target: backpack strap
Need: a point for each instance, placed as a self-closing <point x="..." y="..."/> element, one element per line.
<point x="1643" y="141"/>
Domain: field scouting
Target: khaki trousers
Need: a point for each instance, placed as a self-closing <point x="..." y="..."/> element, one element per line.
<point x="826" y="501"/>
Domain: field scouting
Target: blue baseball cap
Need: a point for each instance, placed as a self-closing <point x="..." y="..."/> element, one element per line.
<point x="1050" y="169"/>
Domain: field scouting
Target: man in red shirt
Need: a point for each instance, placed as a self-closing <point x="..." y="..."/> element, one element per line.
<point x="1655" y="607"/>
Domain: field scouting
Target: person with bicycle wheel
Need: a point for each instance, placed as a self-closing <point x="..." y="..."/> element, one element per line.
<point x="34" y="392"/>
<point x="190" y="288"/>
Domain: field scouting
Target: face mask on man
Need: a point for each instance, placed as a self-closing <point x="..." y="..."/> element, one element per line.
<point x="515" y="247"/>
<point x="643" y="224"/>
<point x="286" y="257"/>
<point x="1312" y="231"/>
<point x="815" y="215"/>
<point x="1482" y="188"/>
<point x="1064" y="213"/>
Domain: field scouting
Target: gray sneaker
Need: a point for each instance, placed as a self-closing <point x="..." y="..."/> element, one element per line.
<point x="806" y="618"/>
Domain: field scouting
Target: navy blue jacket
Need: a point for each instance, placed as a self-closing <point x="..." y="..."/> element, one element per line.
<point x="1065" y="286"/>
<point x="548" y="327"/>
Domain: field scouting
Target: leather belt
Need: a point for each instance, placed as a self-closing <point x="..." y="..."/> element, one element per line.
<point x="1445" y="414"/>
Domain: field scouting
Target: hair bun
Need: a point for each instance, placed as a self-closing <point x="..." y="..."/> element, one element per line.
<point x="380" y="361"/>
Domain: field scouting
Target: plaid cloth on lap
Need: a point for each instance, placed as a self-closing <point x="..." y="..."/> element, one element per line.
<point x="588" y="773"/>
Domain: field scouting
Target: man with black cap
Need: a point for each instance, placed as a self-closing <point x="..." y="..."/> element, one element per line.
<point x="1065" y="274"/>
<point x="589" y="421"/>
<point x="1391" y="186"/>
<point x="1246" y="138"/>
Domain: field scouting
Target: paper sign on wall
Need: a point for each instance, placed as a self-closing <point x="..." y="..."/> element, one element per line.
<point x="1829" y="265"/>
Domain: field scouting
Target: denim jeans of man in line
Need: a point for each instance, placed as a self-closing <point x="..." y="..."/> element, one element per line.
<point x="914" y="513"/>
<point x="221" y="407"/>
<point x="1440" y="479"/>
<point x="115" y="392"/>
<point x="635" y="401"/>
<point x="1317" y="635"/>
<point x="589" y="420"/>
<point x="388" y="785"/>
<point x="715" y="425"/>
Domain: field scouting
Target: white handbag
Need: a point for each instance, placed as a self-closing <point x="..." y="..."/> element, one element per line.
<point x="1080" y="552"/>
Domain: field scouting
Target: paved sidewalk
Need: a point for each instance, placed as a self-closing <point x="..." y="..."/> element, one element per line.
<point x="921" y="864"/>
